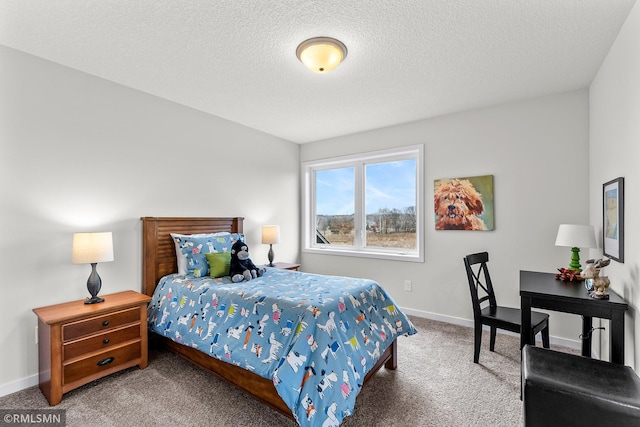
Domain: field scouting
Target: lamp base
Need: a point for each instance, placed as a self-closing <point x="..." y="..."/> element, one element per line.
<point x="575" y="259"/>
<point x="270" y="256"/>
<point x="94" y="283"/>
<point x="93" y="300"/>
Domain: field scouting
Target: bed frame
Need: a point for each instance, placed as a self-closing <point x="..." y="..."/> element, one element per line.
<point x="159" y="259"/>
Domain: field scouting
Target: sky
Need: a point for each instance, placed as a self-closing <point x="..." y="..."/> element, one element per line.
<point x="388" y="185"/>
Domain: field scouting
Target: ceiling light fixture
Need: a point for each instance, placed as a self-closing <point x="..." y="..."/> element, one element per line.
<point x="321" y="54"/>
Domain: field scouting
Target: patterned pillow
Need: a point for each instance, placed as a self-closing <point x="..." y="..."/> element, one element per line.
<point x="191" y="250"/>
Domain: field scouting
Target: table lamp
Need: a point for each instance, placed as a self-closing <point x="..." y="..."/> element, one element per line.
<point x="270" y="236"/>
<point x="92" y="248"/>
<point x="576" y="237"/>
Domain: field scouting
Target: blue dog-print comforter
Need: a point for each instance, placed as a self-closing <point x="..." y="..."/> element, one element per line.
<point x="315" y="336"/>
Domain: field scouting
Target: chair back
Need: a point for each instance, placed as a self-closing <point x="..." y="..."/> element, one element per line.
<point x="480" y="282"/>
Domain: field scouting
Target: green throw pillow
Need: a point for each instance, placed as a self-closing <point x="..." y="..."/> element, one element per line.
<point x="219" y="263"/>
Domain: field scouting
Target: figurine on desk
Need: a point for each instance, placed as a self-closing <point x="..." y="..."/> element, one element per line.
<point x="597" y="286"/>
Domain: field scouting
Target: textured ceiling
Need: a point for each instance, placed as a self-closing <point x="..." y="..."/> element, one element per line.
<point x="408" y="59"/>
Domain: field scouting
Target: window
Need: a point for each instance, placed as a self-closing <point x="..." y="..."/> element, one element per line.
<point x="367" y="205"/>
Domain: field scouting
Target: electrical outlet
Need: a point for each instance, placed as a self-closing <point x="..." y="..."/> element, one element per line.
<point x="407" y="285"/>
<point x="36" y="334"/>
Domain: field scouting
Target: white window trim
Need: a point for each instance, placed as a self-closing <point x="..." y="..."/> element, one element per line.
<point x="358" y="160"/>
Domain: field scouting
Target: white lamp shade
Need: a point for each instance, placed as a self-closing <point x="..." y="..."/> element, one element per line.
<point x="270" y="234"/>
<point x="92" y="247"/>
<point x="576" y="236"/>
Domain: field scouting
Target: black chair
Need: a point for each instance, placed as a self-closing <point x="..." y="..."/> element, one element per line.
<point x="494" y="315"/>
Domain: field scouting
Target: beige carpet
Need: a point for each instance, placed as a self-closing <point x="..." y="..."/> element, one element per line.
<point x="436" y="384"/>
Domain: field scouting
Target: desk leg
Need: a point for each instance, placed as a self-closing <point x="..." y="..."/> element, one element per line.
<point x="616" y="337"/>
<point x="587" y="324"/>
<point x="526" y="334"/>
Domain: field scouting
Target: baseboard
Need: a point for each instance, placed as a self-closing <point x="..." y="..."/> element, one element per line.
<point x="572" y="344"/>
<point x="18" y="385"/>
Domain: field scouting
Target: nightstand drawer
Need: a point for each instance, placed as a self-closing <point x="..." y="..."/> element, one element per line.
<point x="96" y="324"/>
<point x="100" y="362"/>
<point x="102" y="341"/>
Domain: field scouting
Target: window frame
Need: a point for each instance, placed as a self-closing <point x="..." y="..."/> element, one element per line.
<point x="358" y="162"/>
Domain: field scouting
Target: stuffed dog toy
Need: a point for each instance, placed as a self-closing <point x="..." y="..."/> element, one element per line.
<point x="241" y="267"/>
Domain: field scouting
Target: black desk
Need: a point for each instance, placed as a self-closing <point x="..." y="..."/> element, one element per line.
<point x="542" y="290"/>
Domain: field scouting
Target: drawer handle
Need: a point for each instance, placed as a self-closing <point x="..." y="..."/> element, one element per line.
<point x="105" y="323"/>
<point x="105" y="341"/>
<point x="106" y="361"/>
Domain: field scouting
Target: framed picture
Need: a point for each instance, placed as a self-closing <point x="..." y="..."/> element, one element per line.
<point x="613" y="219"/>
<point x="464" y="203"/>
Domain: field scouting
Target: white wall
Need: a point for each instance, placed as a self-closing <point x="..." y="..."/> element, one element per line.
<point x="615" y="152"/>
<point x="78" y="153"/>
<point x="537" y="151"/>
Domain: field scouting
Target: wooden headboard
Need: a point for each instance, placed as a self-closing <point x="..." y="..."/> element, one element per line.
<point x="158" y="249"/>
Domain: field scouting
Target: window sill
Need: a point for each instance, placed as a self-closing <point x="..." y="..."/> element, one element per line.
<point x="409" y="257"/>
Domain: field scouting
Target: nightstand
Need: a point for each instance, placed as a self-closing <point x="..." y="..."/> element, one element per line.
<point x="79" y="343"/>
<point x="287" y="266"/>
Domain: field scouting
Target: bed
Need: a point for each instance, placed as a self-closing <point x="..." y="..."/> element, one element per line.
<point x="295" y="345"/>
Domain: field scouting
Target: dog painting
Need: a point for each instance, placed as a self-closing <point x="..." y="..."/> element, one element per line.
<point x="464" y="203"/>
